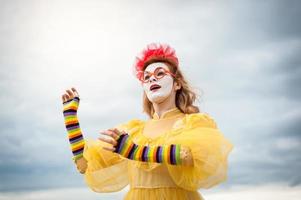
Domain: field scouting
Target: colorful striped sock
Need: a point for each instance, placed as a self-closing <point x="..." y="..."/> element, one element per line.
<point x="75" y="136"/>
<point x="169" y="154"/>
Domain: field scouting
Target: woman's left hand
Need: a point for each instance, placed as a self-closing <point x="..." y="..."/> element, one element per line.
<point x="110" y="136"/>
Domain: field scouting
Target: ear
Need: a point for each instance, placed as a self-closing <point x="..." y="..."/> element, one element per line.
<point x="177" y="85"/>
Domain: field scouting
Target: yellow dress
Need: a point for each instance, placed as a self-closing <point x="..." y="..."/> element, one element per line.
<point x="110" y="172"/>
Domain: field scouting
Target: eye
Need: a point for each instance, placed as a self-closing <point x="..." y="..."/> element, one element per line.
<point x="161" y="73"/>
<point x="146" y="77"/>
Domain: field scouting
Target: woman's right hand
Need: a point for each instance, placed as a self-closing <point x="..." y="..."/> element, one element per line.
<point x="70" y="94"/>
<point x="70" y="100"/>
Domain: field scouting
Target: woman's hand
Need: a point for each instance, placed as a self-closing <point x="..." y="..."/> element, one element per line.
<point x="110" y="136"/>
<point x="82" y="165"/>
<point x="70" y="94"/>
<point x="70" y="101"/>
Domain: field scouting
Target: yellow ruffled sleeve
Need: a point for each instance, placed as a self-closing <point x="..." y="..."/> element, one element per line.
<point x="107" y="171"/>
<point x="209" y="150"/>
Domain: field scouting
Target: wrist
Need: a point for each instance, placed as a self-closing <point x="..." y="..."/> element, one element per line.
<point x="75" y="158"/>
<point x="71" y="104"/>
<point x="185" y="156"/>
<point x="81" y="164"/>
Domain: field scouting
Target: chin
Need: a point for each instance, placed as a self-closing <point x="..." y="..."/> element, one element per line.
<point x="157" y="99"/>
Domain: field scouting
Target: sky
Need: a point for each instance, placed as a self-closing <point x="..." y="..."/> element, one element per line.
<point x="243" y="57"/>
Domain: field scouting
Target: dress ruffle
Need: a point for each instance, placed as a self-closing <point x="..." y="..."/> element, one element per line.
<point x="106" y="171"/>
<point x="209" y="148"/>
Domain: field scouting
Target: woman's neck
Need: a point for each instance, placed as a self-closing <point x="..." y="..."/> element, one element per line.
<point x="164" y="106"/>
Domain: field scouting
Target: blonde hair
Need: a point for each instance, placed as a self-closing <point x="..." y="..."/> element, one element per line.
<point x="185" y="97"/>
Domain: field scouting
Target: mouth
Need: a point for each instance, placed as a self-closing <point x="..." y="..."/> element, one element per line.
<point x="154" y="87"/>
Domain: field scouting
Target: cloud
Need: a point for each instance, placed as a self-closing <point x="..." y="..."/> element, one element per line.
<point x="243" y="57"/>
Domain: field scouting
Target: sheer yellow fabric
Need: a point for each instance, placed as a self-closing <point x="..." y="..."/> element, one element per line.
<point x="163" y="193"/>
<point x="209" y="150"/>
<point x="108" y="172"/>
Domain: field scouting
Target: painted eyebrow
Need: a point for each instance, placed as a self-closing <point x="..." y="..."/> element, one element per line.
<point x="154" y="70"/>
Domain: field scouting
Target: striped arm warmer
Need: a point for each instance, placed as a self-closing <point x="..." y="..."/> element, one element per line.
<point x="169" y="154"/>
<point x="75" y="136"/>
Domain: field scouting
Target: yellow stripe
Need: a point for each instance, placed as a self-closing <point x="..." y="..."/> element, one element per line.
<point x="82" y="142"/>
<point x="165" y="154"/>
<point x="128" y="150"/>
<point x="74" y="132"/>
<point x="74" y="107"/>
<point x="154" y="154"/>
<point x="76" y="143"/>
<point x="139" y="153"/>
<point x="151" y="154"/>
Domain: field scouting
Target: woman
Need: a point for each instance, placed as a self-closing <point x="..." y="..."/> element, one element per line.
<point x="169" y="156"/>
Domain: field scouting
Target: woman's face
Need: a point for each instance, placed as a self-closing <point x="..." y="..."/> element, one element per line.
<point x="157" y="90"/>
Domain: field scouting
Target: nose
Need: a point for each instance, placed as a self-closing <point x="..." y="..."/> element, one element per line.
<point x="152" y="78"/>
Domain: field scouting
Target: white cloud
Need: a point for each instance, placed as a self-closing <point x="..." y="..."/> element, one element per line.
<point x="49" y="46"/>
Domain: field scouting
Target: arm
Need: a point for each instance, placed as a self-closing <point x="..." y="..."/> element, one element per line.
<point x="76" y="139"/>
<point x="172" y="154"/>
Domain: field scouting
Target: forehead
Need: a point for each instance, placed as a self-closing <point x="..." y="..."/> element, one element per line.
<point x="152" y="67"/>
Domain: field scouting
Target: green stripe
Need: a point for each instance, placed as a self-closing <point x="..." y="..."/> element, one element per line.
<point x="135" y="153"/>
<point x="72" y="131"/>
<point x="71" y="117"/>
<point x="178" y="159"/>
<point x="75" y="158"/>
<point x="148" y="153"/>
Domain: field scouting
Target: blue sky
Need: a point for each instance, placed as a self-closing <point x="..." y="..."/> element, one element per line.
<point x="242" y="56"/>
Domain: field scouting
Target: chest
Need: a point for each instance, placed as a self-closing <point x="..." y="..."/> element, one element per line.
<point x="156" y="128"/>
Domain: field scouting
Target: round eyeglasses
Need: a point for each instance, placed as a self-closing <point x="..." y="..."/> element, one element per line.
<point x="159" y="73"/>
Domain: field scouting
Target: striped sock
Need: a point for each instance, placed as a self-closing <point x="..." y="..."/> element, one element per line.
<point x="169" y="154"/>
<point x="75" y="136"/>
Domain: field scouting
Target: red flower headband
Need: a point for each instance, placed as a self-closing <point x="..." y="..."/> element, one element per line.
<point x="160" y="52"/>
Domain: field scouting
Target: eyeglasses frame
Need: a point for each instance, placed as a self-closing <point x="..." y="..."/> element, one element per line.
<point x="153" y="74"/>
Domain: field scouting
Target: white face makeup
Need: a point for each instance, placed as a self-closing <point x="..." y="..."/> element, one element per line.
<point x="164" y="85"/>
